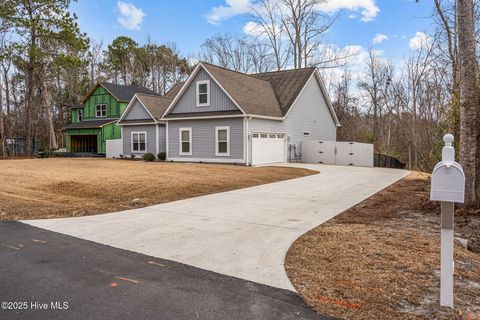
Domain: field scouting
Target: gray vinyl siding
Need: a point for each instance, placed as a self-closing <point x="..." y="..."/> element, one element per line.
<point x="151" y="138"/>
<point x="137" y="112"/>
<point x="162" y="139"/>
<point x="219" y="101"/>
<point x="263" y="125"/>
<point x="310" y="113"/>
<point x="203" y="138"/>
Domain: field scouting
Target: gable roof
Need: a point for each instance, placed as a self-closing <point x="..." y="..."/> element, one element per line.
<point x="252" y="94"/>
<point x="154" y="104"/>
<point x="120" y="92"/>
<point x="287" y="84"/>
<point x="269" y="94"/>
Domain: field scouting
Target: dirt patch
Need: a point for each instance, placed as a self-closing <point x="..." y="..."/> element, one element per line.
<point x="381" y="260"/>
<point x="47" y="188"/>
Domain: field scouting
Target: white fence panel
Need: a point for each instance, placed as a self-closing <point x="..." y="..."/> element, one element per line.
<point x="338" y="153"/>
<point x="114" y="148"/>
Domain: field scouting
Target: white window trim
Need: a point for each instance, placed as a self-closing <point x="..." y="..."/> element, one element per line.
<point x="96" y="110"/>
<point x="207" y="82"/>
<point x="217" y="153"/>
<point x="131" y="141"/>
<point x="180" y="130"/>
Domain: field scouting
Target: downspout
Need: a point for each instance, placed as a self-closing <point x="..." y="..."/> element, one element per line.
<point x="248" y="162"/>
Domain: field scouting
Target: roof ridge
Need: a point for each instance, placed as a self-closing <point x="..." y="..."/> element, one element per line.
<point x="285" y="70"/>
<point x="152" y="95"/>
<point x="231" y="70"/>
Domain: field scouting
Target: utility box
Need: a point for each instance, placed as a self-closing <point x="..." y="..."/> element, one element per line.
<point x="448" y="182"/>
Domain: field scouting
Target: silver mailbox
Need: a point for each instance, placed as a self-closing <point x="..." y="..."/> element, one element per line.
<point x="448" y="179"/>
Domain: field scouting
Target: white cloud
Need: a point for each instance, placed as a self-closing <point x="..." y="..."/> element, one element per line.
<point x="130" y="16"/>
<point x="367" y="8"/>
<point x="421" y="40"/>
<point x="253" y="29"/>
<point x="230" y="9"/>
<point x="379" y="38"/>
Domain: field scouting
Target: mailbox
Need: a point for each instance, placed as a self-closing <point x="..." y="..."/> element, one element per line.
<point x="448" y="179"/>
<point x="448" y="186"/>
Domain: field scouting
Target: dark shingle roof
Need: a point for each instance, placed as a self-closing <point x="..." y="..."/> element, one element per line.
<point x="125" y="93"/>
<point x="90" y="124"/>
<point x="287" y="84"/>
<point x="253" y="95"/>
<point x="156" y="105"/>
<point x="174" y="90"/>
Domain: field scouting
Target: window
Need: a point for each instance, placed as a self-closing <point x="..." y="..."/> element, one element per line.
<point x="101" y="110"/>
<point x="139" y="142"/>
<point x="222" y="141"/>
<point x="263" y="135"/>
<point x="272" y="136"/>
<point x="185" y="141"/>
<point x="306" y="134"/>
<point x="203" y="93"/>
<point x="255" y="135"/>
<point x="80" y="115"/>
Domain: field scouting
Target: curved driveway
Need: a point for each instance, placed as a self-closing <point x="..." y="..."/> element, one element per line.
<point x="242" y="233"/>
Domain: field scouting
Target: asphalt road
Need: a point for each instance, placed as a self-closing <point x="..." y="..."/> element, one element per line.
<point x="54" y="276"/>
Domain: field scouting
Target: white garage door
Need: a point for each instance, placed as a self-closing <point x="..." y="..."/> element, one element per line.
<point x="268" y="148"/>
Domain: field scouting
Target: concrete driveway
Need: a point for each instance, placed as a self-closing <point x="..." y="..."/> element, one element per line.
<point x="243" y="233"/>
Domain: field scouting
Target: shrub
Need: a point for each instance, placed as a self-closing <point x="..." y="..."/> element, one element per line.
<point x="122" y="156"/>
<point x="162" y="156"/>
<point x="45" y="154"/>
<point x="149" y="157"/>
<point x="132" y="156"/>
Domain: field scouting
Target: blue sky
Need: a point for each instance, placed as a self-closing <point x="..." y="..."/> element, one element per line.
<point x="189" y="22"/>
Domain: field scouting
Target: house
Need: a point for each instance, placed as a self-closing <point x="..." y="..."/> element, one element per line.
<point x="95" y="120"/>
<point x="223" y="116"/>
<point x="141" y="125"/>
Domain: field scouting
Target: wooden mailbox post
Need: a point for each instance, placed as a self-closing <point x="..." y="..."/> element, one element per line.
<point x="448" y="186"/>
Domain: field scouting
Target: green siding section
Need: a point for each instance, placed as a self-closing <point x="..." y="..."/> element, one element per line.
<point x="111" y="131"/>
<point x="108" y="132"/>
<point x="101" y="96"/>
<point x="74" y="116"/>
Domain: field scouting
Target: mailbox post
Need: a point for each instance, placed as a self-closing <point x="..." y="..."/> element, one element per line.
<point x="448" y="186"/>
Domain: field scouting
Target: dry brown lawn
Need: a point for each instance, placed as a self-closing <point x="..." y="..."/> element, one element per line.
<point x="46" y="188"/>
<point x="380" y="260"/>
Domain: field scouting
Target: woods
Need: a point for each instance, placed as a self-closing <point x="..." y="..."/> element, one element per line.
<point x="47" y="64"/>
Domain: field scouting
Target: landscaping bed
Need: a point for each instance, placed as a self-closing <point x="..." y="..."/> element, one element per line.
<point x="68" y="187"/>
<point x="381" y="259"/>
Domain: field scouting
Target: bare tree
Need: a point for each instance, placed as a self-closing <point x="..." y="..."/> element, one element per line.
<point x="267" y="21"/>
<point x="95" y="59"/>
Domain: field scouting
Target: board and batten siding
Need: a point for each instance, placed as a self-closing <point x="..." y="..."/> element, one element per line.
<point x="137" y="112"/>
<point x="203" y="139"/>
<point x="151" y="138"/>
<point x="310" y="113"/>
<point x="219" y="101"/>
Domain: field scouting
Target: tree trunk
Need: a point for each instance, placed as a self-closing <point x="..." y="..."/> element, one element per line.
<point x="2" y="127"/>
<point x="468" y="96"/>
<point x="47" y="100"/>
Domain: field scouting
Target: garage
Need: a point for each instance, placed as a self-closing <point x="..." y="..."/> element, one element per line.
<point x="268" y="147"/>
